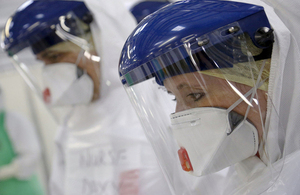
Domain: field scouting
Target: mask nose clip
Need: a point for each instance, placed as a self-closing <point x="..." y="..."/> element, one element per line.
<point x="185" y="160"/>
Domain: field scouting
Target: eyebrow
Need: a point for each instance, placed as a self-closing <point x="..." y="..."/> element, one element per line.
<point x="182" y="85"/>
<point x="49" y="53"/>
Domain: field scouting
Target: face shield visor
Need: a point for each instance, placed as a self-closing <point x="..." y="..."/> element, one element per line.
<point x="55" y="52"/>
<point x="205" y="108"/>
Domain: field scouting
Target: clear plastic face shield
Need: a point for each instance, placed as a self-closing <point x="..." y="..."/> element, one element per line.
<point x="205" y="108"/>
<point x="65" y="53"/>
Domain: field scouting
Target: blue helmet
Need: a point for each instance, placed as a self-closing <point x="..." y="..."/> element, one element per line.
<point x="33" y="24"/>
<point x="144" y="8"/>
<point x="160" y="39"/>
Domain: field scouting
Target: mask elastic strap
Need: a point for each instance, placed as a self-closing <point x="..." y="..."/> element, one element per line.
<point x="255" y="88"/>
<point x="80" y="71"/>
<point x="251" y="91"/>
<point x="81" y="54"/>
<point x="82" y="43"/>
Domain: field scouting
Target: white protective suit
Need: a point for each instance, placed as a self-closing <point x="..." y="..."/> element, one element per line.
<point x="283" y="142"/>
<point x="101" y="147"/>
<point x="25" y="143"/>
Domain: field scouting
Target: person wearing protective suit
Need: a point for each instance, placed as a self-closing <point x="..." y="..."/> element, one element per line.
<point x="100" y="144"/>
<point x="19" y="154"/>
<point x="216" y="86"/>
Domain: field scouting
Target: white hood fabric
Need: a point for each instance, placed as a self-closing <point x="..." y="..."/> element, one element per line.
<point x="288" y="12"/>
<point x="101" y="147"/>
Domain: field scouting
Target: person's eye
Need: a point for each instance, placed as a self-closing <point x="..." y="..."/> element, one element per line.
<point x="173" y="96"/>
<point x="196" y="96"/>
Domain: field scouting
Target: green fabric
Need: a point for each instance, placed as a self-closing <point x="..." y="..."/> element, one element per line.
<point x="14" y="186"/>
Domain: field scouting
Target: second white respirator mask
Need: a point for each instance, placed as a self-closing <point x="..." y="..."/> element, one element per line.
<point x="212" y="139"/>
<point x="66" y="84"/>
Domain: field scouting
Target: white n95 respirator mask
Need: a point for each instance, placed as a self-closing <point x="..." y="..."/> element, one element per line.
<point x="66" y="84"/>
<point x="212" y="139"/>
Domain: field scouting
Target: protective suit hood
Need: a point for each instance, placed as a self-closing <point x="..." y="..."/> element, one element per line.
<point x="102" y="144"/>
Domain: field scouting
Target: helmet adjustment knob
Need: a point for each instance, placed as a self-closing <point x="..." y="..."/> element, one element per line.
<point x="233" y="29"/>
<point x="264" y="37"/>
